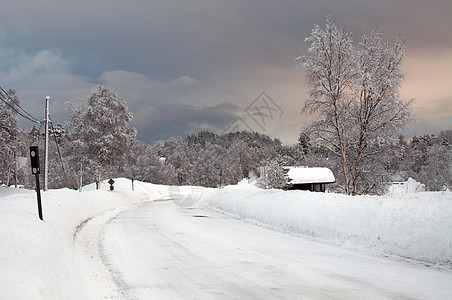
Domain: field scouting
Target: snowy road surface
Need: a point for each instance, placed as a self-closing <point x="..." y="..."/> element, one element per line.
<point x="162" y="251"/>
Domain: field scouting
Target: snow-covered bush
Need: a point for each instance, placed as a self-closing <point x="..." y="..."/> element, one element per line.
<point x="272" y="176"/>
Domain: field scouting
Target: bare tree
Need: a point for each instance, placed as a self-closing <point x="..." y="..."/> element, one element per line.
<point x="354" y="92"/>
<point x="330" y="74"/>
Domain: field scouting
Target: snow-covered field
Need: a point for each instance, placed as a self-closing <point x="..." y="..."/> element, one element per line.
<point x="47" y="259"/>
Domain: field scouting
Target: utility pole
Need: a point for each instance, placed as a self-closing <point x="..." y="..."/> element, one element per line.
<point x="46" y="147"/>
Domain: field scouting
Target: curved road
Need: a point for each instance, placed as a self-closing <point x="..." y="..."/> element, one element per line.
<point x="162" y="251"/>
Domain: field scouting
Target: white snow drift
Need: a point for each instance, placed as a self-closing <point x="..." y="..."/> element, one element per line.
<point x="417" y="226"/>
<point x="38" y="259"/>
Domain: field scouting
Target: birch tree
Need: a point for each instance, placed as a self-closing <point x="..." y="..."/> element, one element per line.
<point x="330" y="73"/>
<point x="354" y="93"/>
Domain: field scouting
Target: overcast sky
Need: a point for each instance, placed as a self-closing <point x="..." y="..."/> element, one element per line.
<point x="185" y="66"/>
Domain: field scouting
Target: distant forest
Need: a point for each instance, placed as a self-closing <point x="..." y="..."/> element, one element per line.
<point x="99" y="144"/>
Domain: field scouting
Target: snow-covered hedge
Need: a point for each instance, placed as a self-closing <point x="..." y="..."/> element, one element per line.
<point x="417" y="226"/>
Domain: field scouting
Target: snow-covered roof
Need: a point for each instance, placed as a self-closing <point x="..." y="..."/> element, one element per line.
<point x="300" y="175"/>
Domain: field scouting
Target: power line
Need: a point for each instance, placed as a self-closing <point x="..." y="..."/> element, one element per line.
<point x="18" y="105"/>
<point x="23" y="113"/>
<point x="18" y="112"/>
<point x="15" y="107"/>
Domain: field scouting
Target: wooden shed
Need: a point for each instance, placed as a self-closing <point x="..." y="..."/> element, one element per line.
<point x="309" y="179"/>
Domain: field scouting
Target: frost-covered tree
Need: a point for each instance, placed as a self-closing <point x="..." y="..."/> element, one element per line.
<point x="429" y="160"/>
<point x="206" y="158"/>
<point x="241" y="159"/>
<point x="354" y="92"/>
<point x="436" y="173"/>
<point x="101" y="136"/>
<point x="164" y="173"/>
<point x="34" y="135"/>
<point x="272" y="176"/>
<point x="208" y="167"/>
<point x="180" y="155"/>
<point x="330" y="72"/>
<point x="8" y="134"/>
<point x="138" y="161"/>
<point x="379" y="112"/>
<point x="445" y="137"/>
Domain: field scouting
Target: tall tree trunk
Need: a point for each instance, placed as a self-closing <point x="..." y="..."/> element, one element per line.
<point x="15" y="171"/>
<point x="357" y="160"/>
<point x="365" y="115"/>
<point x="9" y="173"/>
<point x="341" y="150"/>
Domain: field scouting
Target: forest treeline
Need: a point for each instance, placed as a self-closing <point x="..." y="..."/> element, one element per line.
<point x="203" y="159"/>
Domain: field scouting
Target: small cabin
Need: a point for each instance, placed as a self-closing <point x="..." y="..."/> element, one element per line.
<point x="309" y="179"/>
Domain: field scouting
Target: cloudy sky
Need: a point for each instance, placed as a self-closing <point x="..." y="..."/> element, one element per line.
<point x="190" y="65"/>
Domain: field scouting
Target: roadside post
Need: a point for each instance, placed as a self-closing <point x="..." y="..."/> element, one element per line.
<point x="110" y="182"/>
<point x="35" y="170"/>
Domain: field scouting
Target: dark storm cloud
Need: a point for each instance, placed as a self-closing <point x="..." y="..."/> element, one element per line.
<point x="176" y="108"/>
<point x="160" y="39"/>
<point x="159" y="121"/>
<point x="191" y="56"/>
<point x="167" y="39"/>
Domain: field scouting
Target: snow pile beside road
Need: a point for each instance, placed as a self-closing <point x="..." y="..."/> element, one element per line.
<point x="418" y="226"/>
<point x="37" y="259"/>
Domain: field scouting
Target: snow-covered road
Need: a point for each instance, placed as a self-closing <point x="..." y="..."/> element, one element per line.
<point x="160" y="250"/>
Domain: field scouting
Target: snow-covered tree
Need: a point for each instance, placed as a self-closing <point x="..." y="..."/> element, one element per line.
<point x="163" y="173"/>
<point x="436" y="174"/>
<point x="34" y="135"/>
<point x="180" y="155"/>
<point x="445" y="137"/>
<point x="101" y="136"/>
<point x="379" y="112"/>
<point x="241" y="160"/>
<point x="8" y="134"/>
<point x="138" y="161"/>
<point x="330" y="72"/>
<point x="272" y="176"/>
<point x="208" y="168"/>
<point x="429" y="160"/>
<point x="354" y="92"/>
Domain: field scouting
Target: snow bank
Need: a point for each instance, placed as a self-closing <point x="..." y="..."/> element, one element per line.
<point x="37" y="259"/>
<point x="408" y="187"/>
<point x="418" y="226"/>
